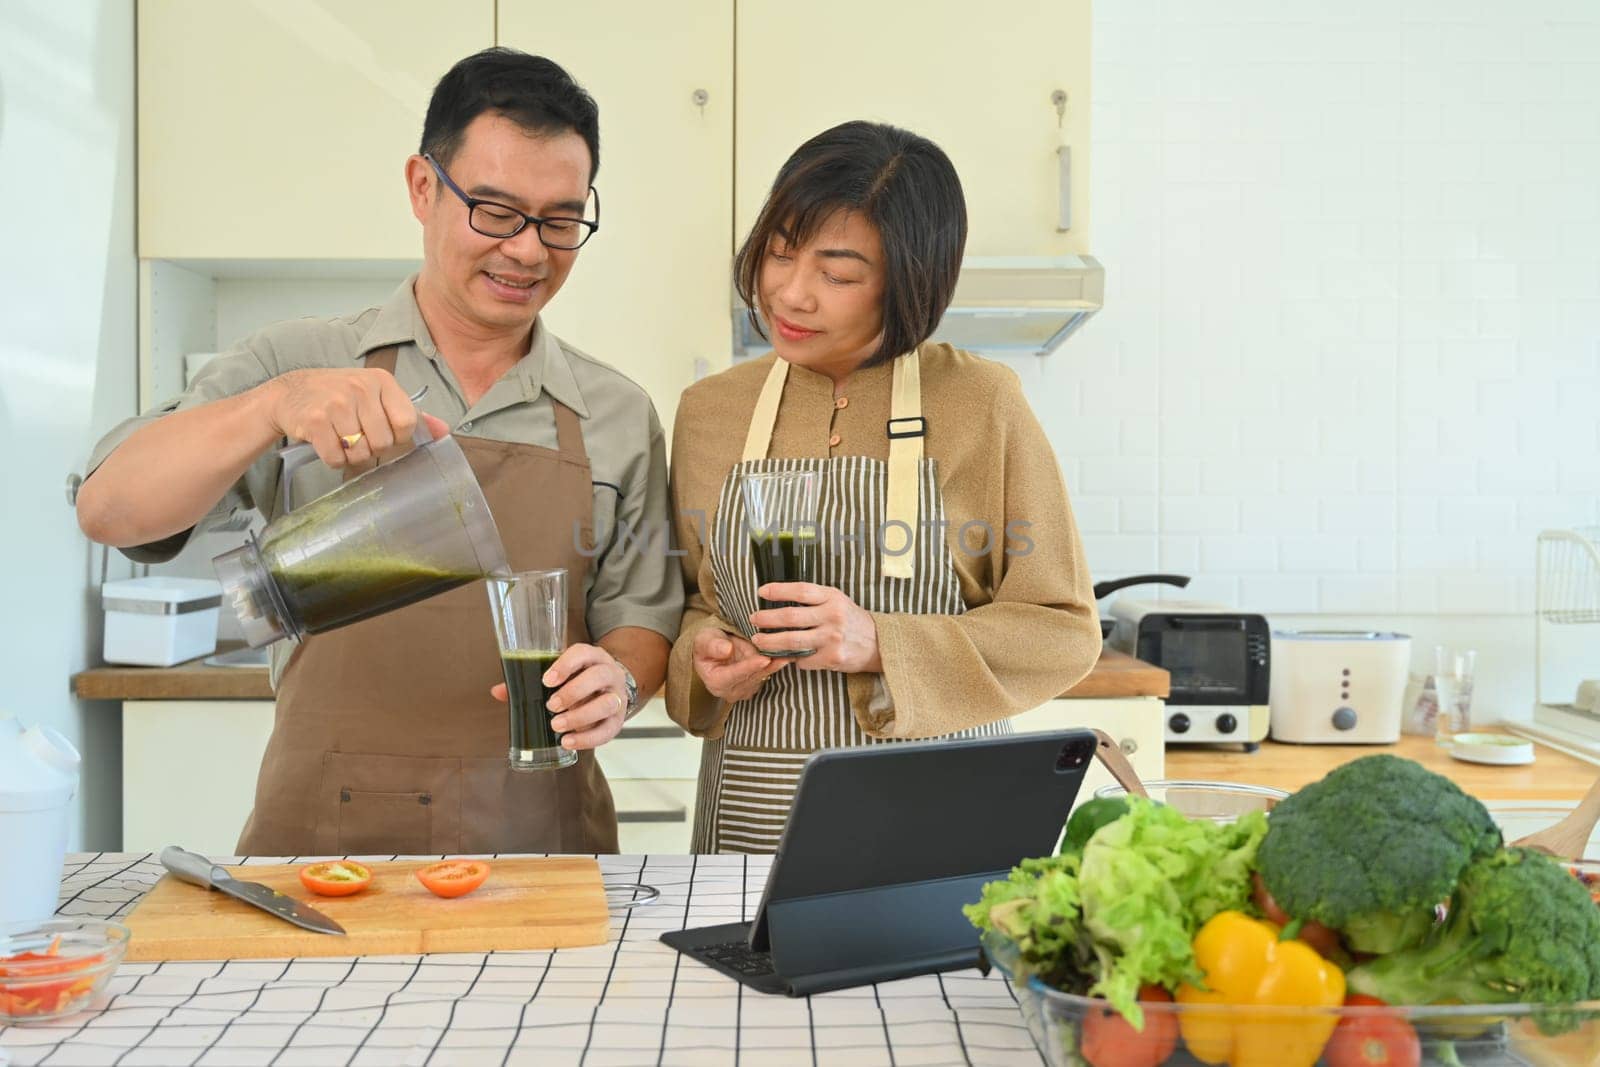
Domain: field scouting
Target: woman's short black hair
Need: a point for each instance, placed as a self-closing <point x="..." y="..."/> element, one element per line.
<point x="531" y="91"/>
<point x="901" y="183"/>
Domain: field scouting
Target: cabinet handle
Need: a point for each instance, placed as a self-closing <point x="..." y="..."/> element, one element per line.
<point x="666" y="815"/>
<point x="1064" y="207"/>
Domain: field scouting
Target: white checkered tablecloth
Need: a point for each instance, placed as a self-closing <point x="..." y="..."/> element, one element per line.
<point x="632" y="1001"/>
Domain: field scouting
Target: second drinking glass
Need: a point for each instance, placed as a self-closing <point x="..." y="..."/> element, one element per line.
<point x="781" y="513"/>
<point x="530" y="619"/>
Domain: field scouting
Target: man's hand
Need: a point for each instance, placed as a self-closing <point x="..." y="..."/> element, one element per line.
<point x="354" y="418"/>
<point x="731" y="667"/>
<point x="591" y="702"/>
<point x="842" y="636"/>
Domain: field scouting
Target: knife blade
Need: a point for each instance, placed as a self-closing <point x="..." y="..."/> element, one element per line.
<point x="195" y="868"/>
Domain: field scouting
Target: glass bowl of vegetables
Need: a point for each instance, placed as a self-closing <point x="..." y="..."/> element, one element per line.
<point x="56" y="968"/>
<point x="1073" y="1031"/>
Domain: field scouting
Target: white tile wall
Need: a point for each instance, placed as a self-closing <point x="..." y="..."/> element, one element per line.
<point x="1353" y="307"/>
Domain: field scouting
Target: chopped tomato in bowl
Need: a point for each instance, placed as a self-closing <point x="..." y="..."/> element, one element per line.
<point x="453" y="878"/>
<point x="56" y="968"/>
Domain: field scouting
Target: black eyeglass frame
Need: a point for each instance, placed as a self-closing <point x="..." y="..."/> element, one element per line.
<point x="473" y="203"/>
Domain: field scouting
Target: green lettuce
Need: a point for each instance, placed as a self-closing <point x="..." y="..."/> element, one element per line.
<point x="1125" y="911"/>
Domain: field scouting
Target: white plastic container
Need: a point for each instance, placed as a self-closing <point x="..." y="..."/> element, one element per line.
<point x="38" y="779"/>
<point x="157" y="622"/>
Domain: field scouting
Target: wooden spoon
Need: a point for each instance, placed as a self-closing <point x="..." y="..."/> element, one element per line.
<point x="1568" y="838"/>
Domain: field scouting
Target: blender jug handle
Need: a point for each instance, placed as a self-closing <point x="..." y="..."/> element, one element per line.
<point x="296" y="456"/>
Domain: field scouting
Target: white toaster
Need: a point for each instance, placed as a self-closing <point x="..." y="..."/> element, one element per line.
<point x="1338" y="687"/>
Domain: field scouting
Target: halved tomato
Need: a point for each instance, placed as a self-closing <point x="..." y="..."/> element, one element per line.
<point x="335" y="878"/>
<point x="453" y="878"/>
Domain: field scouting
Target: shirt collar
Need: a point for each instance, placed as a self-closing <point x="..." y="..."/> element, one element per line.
<point x="546" y="366"/>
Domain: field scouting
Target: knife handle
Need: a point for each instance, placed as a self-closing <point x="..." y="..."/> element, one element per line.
<point x="192" y="867"/>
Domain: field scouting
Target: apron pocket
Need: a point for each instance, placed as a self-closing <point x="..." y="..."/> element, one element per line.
<point x="389" y="805"/>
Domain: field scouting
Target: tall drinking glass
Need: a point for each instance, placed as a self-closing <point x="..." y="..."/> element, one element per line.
<point x="530" y="619"/>
<point x="781" y="512"/>
<point x="1452" y="686"/>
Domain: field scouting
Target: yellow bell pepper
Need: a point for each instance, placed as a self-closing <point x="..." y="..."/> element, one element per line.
<point x="1245" y="964"/>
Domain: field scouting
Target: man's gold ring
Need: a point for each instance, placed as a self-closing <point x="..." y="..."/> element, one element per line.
<point x="350" y="440"/>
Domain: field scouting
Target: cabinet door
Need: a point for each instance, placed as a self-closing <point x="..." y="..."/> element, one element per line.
<point x="649" y="293"/>
<point x="280" y="130"/>
<point x="976" y="79"/>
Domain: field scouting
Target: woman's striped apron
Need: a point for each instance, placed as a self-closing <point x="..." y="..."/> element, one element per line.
<point x="748" y="776"/>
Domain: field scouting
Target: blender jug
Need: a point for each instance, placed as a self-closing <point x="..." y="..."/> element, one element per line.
<point x="394" y="535"/>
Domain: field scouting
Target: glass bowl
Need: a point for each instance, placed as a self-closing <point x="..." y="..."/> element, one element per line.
<point x="1458" y="1034"/>
<point x="64" y="965"/>
<point x="1217" y="801"/>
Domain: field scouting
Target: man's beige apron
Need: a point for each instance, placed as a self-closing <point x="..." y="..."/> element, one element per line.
<point x="386" y="740"/>
<point x="748" y="776"/>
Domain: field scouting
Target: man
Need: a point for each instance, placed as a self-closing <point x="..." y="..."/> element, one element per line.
<point x="386" y="737"/>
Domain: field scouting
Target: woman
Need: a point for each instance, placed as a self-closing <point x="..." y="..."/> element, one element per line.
<point x="952" y="589"/>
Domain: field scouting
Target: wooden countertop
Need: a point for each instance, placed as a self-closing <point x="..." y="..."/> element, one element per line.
<point x="1116" y="675"/>
<point x="1553" y="775"/>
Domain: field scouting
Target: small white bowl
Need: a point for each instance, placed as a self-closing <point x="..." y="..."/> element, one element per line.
<point x="1491" y="748"/>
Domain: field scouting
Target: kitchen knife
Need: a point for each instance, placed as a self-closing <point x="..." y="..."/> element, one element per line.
<point x="202" y="872"/>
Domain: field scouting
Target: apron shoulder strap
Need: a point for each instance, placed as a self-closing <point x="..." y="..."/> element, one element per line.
<point x="569" y="434"/>
<point x="906" y="429"/>
<point x="385" y="358"/>
<point x="765" y="416"/>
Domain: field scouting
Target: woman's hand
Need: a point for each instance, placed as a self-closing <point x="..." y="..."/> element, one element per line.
<point x="843" y="636"/>
<point x="731" y="667"/>
<point x="592" y="702"/>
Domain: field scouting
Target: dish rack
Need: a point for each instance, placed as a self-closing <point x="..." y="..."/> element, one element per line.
<point x="1567" y="660"/>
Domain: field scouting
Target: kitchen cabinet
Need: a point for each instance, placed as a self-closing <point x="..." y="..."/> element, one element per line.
<point x="983" y="83"/>
<point x="280" y="130"/>
<point x="649" y="293"/>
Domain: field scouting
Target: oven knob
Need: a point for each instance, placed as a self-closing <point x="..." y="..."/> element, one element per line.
<point x="1344" y="719"/>
<point x="1179" y="723"/>
<point x="1226" y="723"/>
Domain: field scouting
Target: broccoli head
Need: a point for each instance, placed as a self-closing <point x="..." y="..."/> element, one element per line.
<point x="1521" y="929"/>
<point x="1373" y="849"/>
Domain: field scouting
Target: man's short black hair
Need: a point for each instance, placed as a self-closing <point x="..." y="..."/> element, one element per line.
<point x="900" y="182"/>
<point x="531" y="91"/>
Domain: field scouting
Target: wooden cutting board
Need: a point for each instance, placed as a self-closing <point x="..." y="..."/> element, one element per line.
<point x="526" y="903"/>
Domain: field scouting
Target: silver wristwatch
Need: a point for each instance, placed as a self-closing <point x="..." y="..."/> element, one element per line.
<point x="632" y="688"/>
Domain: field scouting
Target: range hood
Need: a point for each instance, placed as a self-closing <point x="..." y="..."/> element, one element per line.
<point x="1004" y="305"/>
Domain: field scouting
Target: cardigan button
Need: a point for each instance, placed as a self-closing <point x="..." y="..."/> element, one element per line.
<point x="842" y="402"/>
<point x="833" y="442"/>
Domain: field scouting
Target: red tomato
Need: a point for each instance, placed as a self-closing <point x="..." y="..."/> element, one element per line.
<point x="337" y="878"/>
<point x="1372" y="1040"/>
<point x="1319" y="937"/>
<point x="1109" y="1040"/>
<point x="453" y="878"/>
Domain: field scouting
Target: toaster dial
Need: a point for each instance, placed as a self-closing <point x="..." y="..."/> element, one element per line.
<point x="1226" y="723"/>
<point x="1344" y="718"/>
<point x="1178" y="723"/>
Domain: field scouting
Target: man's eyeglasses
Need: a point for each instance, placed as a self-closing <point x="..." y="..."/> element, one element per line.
<point x="493" y="219"/>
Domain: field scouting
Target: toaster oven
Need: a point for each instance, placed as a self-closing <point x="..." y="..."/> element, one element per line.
<point x="1219" y="661"/>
